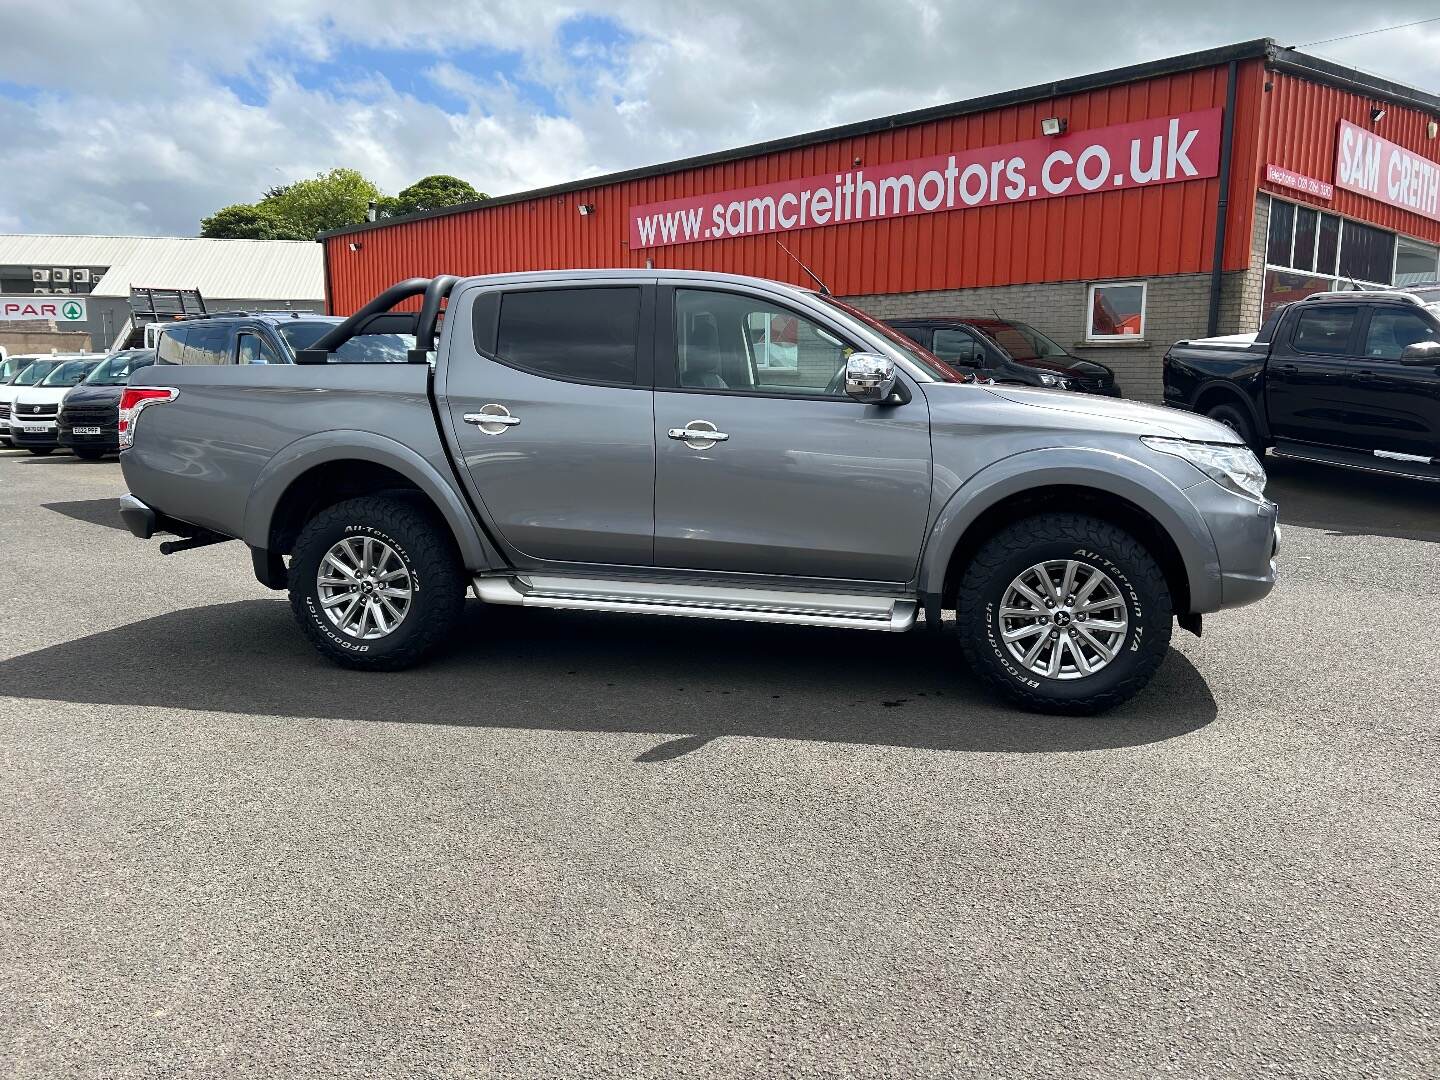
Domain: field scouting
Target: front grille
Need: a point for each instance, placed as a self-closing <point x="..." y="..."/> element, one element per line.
<point x="34" y="412"/>
<point x="90" y="415"/>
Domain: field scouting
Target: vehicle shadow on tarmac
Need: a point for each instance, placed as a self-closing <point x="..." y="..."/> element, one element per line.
<point x="91" y="511"/>
<point x="1345" y="502"/>
<point x="690" y="680"/>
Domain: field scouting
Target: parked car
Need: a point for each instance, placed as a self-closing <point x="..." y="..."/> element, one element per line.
<point x="33" y="412"/>
<point x="27" y="371"/>
<point x="267" y="337"/>
<point x="1348" y="378"/>
<point x="615" y="440"/>
<point x="88" y="421"/>
<point x="1008" y="351"/>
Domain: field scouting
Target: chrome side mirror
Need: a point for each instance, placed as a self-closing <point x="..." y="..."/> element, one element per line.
<point x="1422" y="352"/>
<point x="869" y="378"/>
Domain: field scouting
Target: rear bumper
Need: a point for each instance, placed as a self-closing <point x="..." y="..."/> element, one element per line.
<point x="138" y="518"/>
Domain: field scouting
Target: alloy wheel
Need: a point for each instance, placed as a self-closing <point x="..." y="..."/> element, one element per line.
<point x="1063" y="619"/>
<point x="364" y="588"/>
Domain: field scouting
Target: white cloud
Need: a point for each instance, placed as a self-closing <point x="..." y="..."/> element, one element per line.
<point x="124" y="117"/>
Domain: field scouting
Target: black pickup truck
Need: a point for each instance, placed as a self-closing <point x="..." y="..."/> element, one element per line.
<point x="1348" y="378"/>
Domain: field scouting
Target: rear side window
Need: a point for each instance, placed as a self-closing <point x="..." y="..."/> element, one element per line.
<point x="1324" y="331"/>
<point x="207" y="345"/>
<point x="587" y="335"/>
<point x="170" y="349"/>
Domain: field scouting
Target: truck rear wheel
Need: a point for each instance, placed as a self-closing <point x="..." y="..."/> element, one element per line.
<point x="1064" y="613"/>
<point x="375" y="583"/>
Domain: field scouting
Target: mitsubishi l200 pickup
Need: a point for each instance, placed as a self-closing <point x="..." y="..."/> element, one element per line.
<point x="696" y="444"/>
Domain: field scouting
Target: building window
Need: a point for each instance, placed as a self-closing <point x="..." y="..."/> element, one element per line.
<point x="1416" y="262"/>
<point x="1309" y="251"/>
<point x="1115" y="309"/>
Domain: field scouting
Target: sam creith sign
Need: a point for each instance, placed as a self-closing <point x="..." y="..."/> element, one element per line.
<point x="1146" y="153"/>
<point x="1386" y="171"/>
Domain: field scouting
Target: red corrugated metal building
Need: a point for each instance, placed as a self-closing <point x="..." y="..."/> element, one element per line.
<point x="1091" y="208"/>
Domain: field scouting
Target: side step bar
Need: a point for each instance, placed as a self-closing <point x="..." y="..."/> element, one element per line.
<point x="1409" y="466"/>
<point x="854" y="612"/>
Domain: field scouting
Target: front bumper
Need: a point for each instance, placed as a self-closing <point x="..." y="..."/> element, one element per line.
<point x="1247" y="541"/>
<point x="108" y="440"/>
<point x="33" y="432"/>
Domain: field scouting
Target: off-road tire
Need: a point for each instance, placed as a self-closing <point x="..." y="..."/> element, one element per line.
<point x="1233" y="417"/>
<point x="1087" y="540"/>
<point x="427" y="551"/>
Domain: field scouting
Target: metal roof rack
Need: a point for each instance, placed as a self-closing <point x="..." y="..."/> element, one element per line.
<point x="1364" y="294"/>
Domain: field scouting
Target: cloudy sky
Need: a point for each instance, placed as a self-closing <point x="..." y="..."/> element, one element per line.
<point x="142" y="116"/>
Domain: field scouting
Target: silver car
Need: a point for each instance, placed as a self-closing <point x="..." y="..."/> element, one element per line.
<point x="702" y="445"/>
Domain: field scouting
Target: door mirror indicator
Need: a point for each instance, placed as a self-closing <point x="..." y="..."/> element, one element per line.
<point x="869" y="378"/>
<point x="1421" y="352"/>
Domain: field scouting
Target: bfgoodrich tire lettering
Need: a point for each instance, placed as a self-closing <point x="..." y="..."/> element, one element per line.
<point x="428" y="556"/>
<point x="1058" y="540"/>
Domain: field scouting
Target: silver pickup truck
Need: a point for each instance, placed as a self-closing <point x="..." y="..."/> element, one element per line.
<point x="696" y="444"/>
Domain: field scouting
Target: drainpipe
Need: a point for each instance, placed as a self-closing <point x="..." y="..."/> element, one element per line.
<point x="1222" y="202"/>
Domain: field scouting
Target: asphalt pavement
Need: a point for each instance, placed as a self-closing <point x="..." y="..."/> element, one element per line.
<point x="584" y="845"/>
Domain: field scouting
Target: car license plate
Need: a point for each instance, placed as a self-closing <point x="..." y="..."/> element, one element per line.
<point x="34" y="429"/>
<point x="87" y="431"/>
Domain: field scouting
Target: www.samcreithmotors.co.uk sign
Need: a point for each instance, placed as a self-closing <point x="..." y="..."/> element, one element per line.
<point x="1163" y="150"/>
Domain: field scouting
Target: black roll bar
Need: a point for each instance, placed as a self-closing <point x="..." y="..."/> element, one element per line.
<point x="435" y="290"/>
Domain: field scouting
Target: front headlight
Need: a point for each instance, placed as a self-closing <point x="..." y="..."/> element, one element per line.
<point x="1235" y="468"/>
<point x="1055" y="381"/>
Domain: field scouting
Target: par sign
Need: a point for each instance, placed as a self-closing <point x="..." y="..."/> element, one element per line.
<point x="58" y="309"/>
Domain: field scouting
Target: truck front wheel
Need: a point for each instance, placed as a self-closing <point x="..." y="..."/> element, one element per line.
<point x="375" y="583"/>
<point x="1064" y="613"/>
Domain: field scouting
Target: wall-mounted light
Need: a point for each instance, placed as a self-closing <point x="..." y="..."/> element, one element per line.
<point x="857" y="162"/>
<point x="1432" y="129"/>
<point x="1377" y="114"/>
<point x="1053" y="125"/>
<point x="355" y="245"/>
<point x="586" y="209"/>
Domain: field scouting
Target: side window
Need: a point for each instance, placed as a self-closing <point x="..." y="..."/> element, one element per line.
<point x="170" y="349"/>
<point x="1391" y="329"/>
<point x="959" y="347"/>
<point x="1324" y="331"/>
<point x="205" y="344"/>
<point x="254" y="349"/>
<point x="918" y="334"/>
<point x="589" y="335"/>
<point x="727" y="341"/>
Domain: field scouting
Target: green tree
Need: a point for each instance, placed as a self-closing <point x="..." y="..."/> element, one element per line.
<point x="328" y="201"/>
<point x="245" y="222"/>
<point x="431" y="193"/>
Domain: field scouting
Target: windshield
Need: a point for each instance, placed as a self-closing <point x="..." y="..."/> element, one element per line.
<point x="1021" y="341"/>
<point x="35" y="372"/>
<point x="114" y="370"/>
<point x="12" y="367"/>
<point x="366" y="349"/>
<point x="927" y="362"/>
<point x="70" y="373"/>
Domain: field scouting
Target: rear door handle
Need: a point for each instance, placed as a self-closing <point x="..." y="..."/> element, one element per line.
<point x="698" y="433"/>
<point x="1364" y="376"/>
<point x="1288" y="369"/>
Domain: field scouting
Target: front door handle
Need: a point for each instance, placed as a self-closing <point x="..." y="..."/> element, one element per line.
<point x="1364" y="376"/>
<point x="1288" y="369"/>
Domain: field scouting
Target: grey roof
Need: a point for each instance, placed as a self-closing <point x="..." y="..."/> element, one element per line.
<point x="223" y="269"/>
